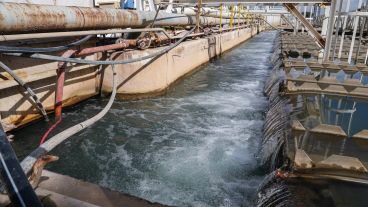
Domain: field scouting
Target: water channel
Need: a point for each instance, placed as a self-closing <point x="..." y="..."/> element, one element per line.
<point x="194" y="146"/>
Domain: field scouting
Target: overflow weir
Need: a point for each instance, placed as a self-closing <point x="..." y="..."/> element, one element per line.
<point x="183" y="103"/>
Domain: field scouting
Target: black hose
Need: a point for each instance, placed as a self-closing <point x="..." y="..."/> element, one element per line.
<point x="39" y="105"/>
<point x="44" y="50"/>
<point x="12" y="175"/>
<point x="95" y="62"/>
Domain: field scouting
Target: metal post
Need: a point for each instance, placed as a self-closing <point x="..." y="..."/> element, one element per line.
<point x="199" y="8"/>
<point x="337" y="29"/>
<point x="330" y="28"/>
<point x="356" y="22"/>
<point x="360" y="39"/>
<point x="296" y="28"/>
<point x="343" y="29"/>
<point x="305" y="15"/>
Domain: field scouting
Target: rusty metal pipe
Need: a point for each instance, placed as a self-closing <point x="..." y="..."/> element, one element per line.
<point x="60" y="80"/>
<point x="122" y="45"/>
<point x="31" y="18"/>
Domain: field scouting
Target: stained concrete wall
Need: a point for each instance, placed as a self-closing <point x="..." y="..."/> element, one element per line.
<point x="138" y="80"/>
<point x="84" y="81"/>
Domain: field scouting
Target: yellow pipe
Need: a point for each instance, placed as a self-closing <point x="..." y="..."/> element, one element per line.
<point x="239" y="16"/>
<point x="221" y="18"/>
<point x="231" y="16"/>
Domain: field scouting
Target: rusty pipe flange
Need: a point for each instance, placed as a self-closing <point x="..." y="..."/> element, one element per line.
<point x="144" y="41"/>
<point x="207" y="31"/>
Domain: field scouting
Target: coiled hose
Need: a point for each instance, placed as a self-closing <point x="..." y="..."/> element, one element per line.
<point x="39" y="105"/>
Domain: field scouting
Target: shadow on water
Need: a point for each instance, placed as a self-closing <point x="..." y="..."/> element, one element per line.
<point x="194" y="146"/>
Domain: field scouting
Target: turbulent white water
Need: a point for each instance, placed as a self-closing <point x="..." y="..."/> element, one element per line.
<point x="195" y="146"/>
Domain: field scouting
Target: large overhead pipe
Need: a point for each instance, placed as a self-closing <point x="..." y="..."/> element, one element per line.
<point x="31" y="18"/>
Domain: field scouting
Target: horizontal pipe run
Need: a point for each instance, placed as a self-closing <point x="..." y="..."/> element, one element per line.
<point x="123" y="45"/>
<point x="76" y="33"/>
<point x="31" y="18"/>
<point x="226" y="15"/>
<point x="31" y="78"/>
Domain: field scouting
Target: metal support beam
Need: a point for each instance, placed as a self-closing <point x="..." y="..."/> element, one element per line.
<point x="287" y="20"/>
<point x="291" y="8"/>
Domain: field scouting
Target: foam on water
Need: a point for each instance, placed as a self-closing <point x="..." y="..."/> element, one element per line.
<point x="195" y="146"/>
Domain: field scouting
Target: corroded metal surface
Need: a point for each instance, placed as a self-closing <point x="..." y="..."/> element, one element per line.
<point x="30" y="18"/>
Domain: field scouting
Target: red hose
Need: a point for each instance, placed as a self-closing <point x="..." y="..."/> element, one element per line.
<point x="50" y="130"/>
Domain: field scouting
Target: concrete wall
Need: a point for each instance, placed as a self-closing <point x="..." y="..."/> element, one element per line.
<point x="84" y="81"/>
<point x="137" y="80"/>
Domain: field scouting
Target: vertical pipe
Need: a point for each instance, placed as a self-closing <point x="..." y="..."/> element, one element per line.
<point x="221" y="7"/>
<point x="238" y="7"/>
<point x="231" y="16"/>
<point x="221" y="17"/>
<point x="60" y="85"/>
<point x="330" y="28"/>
